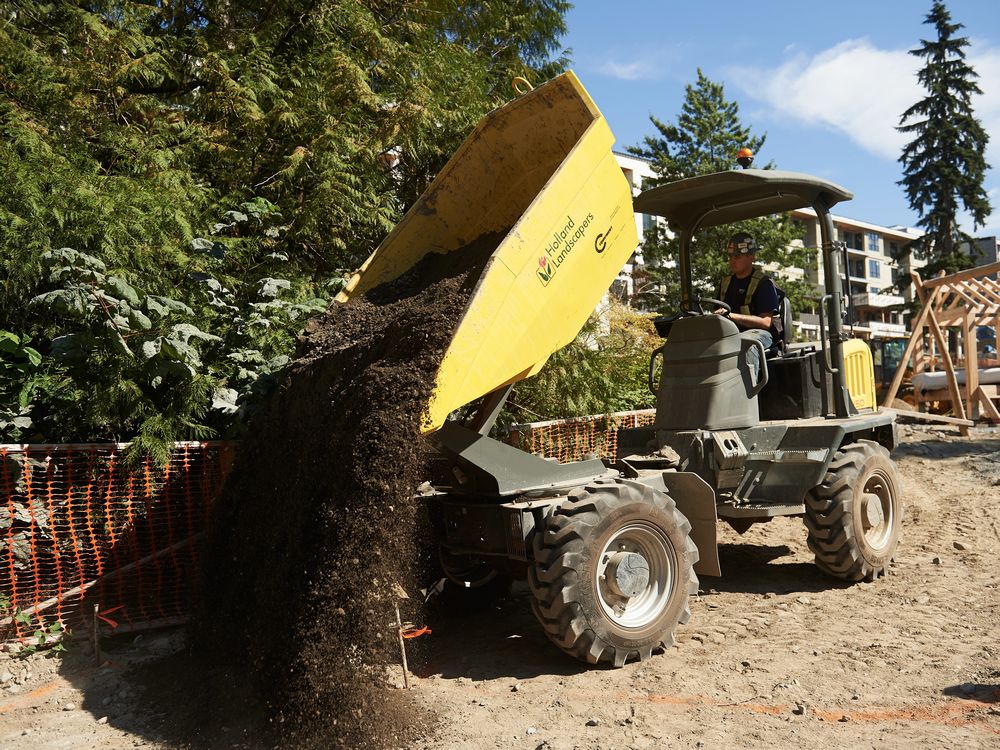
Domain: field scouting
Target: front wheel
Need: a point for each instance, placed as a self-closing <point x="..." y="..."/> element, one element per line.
<point x="855" y="516"/>
<point x="614" y="567"/>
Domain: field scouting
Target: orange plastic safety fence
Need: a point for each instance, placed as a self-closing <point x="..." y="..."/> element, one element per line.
<point x="80" y="525"/>
<point x="580" y="438"/>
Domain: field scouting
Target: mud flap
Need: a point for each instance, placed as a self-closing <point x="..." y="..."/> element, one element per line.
<point x="696" y="500"/>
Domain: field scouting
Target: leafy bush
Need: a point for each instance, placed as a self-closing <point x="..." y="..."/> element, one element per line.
<point x="298" y="131"/>
<point x="604" y="370"/>
<point x="124" y="362"/>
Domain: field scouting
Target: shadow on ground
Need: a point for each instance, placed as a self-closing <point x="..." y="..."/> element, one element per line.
<point x="762" y="569"/>
<point x="974" y="691"/>
<point x="956" y="448"/>
<point x="505" y="640"/>
<point x="151" y="689"/>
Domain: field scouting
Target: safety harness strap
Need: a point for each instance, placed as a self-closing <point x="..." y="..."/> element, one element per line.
<point x="755" y="279"/>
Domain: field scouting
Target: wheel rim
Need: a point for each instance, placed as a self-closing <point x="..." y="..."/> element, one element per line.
<point x="615" y="564"/>
<point x="878" y="516"/>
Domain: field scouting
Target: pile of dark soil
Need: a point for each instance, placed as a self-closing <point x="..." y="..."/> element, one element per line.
<point x="317" y="521"/>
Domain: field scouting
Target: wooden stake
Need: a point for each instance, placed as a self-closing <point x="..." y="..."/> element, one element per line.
<point x="97" y="637"/>
<point x="402" y="649"/>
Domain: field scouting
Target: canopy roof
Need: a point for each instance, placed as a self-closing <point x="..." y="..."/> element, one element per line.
<point x="725" y="197"/>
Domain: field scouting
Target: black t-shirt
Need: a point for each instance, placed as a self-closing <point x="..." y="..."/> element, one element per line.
<point x="764" y="301"/>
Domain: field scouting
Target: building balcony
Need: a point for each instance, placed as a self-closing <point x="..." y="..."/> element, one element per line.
<point x="876" y="300"/>
<point x="888" y="330"/>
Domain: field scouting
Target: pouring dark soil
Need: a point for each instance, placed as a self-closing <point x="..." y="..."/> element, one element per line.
<point x="317" y="521"/>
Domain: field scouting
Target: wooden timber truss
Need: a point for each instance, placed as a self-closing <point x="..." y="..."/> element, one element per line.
<point x="964" y="301"/>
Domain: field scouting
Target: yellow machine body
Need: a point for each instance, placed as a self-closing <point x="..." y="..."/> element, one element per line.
<point x="539" y="169"/>
<point x="859" y="375"/>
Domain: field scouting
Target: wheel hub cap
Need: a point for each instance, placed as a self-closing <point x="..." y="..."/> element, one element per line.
<point x="873" y="510"/>
<point x="636" y="574"/>
<point x="627" y="574"/>
<point x="877" y="511"/>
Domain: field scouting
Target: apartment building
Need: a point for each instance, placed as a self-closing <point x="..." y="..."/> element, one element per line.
<point x="876" y="260"/>
<point x="985" y="250"/>
<point x="638" y="172"/>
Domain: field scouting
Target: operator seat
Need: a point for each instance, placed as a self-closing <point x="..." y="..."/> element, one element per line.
<point x="705" y="381"/>
<point x="785" y="316"/>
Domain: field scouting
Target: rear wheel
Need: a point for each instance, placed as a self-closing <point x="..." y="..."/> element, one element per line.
<point x="855" y="516"/>
<point x="614" y="567"/>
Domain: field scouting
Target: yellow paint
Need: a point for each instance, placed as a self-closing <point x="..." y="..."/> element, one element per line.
<point x="859" y="373"/>
<point x="539" y="170"/>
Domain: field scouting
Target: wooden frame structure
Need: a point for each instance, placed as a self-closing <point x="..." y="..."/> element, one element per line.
<point x="966" y="300"/>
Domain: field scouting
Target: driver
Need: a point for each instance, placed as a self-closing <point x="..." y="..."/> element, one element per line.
<point x="749" y="292"/>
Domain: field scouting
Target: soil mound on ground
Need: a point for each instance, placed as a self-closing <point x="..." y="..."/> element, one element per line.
<point x="317" y="521"/>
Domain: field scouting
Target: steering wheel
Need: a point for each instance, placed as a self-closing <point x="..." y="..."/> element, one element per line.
<point x="703" y="302"/>
<point x="716" y="303"/>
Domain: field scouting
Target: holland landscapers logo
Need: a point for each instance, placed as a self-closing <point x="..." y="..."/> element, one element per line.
<point x="560" y="246"/>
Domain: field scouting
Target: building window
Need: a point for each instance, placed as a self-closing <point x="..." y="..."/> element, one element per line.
<point x="857" y="269"/>
<point x="873" y="290"/>
<point x="648" y="222"/>
<point x="852" y="240"/>
<point x="894" y="249"/>
<point x="872" y="242"/>
<point x="874" y="269"/>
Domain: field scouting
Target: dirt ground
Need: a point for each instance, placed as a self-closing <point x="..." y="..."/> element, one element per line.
<point x="775" y="654"/>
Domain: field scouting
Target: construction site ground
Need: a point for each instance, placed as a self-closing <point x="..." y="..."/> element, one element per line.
<point x="775" y="654"/>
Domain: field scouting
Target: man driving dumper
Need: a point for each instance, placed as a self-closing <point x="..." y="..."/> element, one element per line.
<point x="750" y="294"/>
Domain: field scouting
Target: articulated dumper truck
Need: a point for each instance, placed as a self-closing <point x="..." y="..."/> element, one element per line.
<point x="611" y="551"/>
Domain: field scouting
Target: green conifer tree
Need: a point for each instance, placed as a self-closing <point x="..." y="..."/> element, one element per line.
<point x="704" y="139"/>
<point x="944" y="165"/>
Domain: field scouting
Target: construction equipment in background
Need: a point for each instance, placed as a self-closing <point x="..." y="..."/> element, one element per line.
<point x="611" y="552"/>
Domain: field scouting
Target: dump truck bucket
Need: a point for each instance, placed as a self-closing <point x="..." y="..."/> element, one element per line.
<point x="539" y="173"/>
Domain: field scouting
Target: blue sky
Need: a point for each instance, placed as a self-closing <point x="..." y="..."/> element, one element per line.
<point x="825" y="82"/>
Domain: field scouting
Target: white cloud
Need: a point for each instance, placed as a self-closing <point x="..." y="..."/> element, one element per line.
<point x="861" y="91"/>
<point x="636" y="70"/>
<point x="852" y="87"/>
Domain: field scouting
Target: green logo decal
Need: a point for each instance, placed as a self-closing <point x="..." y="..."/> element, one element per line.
<point x="561" y="245"/>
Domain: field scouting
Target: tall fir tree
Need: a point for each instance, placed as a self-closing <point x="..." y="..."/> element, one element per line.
<point x="944" y="165"/>
<point x="704" y="139"/>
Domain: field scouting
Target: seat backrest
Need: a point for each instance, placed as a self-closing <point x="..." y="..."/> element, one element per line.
<point x="785" y="312"/>
<point x="705" y="380"/>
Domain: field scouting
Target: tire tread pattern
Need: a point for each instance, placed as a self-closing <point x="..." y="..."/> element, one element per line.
<point x="554" y="578"/>
<point x="829" y="514"/>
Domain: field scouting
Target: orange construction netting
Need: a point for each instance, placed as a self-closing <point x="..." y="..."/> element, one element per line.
<point x="579" y="438"/>
<point x="81" y="527"/>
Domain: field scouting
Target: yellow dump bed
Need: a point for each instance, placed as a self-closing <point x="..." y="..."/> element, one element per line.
<point x="539" y="171"/>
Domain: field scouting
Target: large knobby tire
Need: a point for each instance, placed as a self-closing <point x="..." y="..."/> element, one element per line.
<point x="855" y="516"/>
<point x="614" y="567"/>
